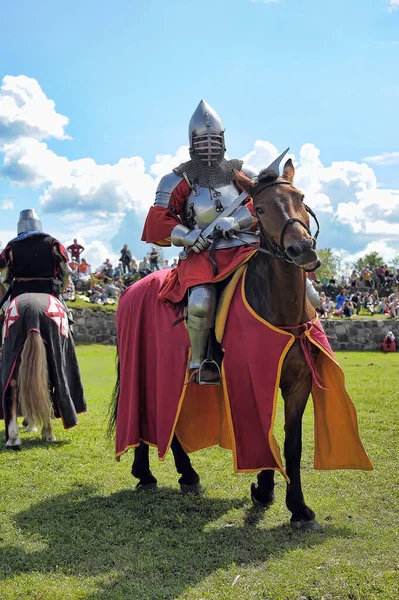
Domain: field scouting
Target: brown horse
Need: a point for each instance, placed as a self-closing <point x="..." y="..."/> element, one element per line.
<point x="275" y="288"/>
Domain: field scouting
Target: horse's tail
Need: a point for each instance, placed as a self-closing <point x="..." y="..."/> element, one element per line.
<point x="113" y="407"/>
<point x="33" y="381"/>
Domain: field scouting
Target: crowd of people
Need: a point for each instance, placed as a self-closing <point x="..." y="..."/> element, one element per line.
<point x="348" y="303"/>
<point x="104" y="284"/>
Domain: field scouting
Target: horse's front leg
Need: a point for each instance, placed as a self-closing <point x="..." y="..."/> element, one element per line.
<point x="13" y="440"/>
<point x="189" y="480"/>
<point x="141" y="468"/>
<point x="294" y="405"/>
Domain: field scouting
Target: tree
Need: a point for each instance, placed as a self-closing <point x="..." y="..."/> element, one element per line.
<point x="395" y="261"/>
<point x="372" y="260"/>
<point x="330" y="263"/>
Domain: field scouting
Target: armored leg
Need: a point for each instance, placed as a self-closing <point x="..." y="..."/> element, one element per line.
<point x="201" y="311"/>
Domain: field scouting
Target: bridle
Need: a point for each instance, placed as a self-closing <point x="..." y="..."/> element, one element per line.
<point x="278" y="250"/>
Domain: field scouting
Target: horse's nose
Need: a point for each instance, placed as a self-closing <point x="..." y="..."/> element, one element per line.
<point x="295" y="249"/>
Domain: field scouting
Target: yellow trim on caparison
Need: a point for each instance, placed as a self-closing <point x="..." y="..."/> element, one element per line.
<point x="229" y="417"/>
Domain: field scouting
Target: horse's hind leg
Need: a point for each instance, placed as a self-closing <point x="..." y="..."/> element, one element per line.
<point x="13" y="440"/>
<point x="262" y="492"/>
<point x="141" y="468"/>
<point x="294" y="404"/>
<point x="189" y="480"/>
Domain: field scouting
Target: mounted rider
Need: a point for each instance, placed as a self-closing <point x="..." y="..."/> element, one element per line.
<point x="187" y="201"/>
<point x="33" y="261"/>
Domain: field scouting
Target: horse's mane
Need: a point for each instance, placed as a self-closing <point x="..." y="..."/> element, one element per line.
<point x="267" y="176"/>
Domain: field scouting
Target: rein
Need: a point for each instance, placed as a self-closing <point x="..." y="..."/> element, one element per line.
<point x="278" y="250"/>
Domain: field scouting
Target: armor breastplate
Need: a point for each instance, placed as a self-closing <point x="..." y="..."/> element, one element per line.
<point x="201" y="210"/>
<point x="202" y="203"/>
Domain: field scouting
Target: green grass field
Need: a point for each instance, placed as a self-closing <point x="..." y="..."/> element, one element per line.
<point x="71" y="526"/>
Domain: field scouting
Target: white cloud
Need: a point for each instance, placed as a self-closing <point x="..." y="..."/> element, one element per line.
<point x="384" y="159"/>
<point x="25" y="111"/>
<point x="7" y="205"/>
<point x="165" y="163"/>
<point x="393" y="5"/>
<point x="29" y="162"/>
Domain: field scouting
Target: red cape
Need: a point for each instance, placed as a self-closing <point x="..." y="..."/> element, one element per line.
<point x="155" y="400"/>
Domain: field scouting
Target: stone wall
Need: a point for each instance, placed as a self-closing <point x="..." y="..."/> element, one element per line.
<point x="359" y="335"/>
<point x="97" y="326"/>
<point x="94" y="326"/>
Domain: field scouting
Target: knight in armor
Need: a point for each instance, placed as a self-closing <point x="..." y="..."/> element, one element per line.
<point x="188" y="200"/>
<point x="34" y="261"/>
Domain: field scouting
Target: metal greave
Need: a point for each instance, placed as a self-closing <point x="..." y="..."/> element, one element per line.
<point x="201" y="310"/>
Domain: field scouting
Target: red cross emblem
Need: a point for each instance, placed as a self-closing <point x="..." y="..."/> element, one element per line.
<point x="12" y="315"/>
<point x="57" y="313"/>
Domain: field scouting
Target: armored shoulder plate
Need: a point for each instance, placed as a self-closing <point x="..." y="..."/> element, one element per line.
<point x="165" y="189"/>
<point x="249" y="171"/>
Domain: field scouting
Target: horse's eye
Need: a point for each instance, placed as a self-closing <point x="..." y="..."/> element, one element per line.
<point x="259" y="210"/>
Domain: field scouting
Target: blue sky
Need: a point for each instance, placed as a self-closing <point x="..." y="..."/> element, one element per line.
<point x="320" y="77"/>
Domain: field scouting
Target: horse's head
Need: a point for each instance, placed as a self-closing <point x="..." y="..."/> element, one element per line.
<point x="283" y="217"/>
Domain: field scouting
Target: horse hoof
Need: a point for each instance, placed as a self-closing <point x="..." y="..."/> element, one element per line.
<point x="31" y="429"/>
<point x="14" y="444"/>
<point x="259" y="503"/>
<point x="195" y="488"/>
<point x="148" y="487"/>
<point x="312" y="525"/>
<point x="50" y="438"/>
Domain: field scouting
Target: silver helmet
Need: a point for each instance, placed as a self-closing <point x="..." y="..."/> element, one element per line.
<point x="29" y="221"/>
<point x="206" y="134"/>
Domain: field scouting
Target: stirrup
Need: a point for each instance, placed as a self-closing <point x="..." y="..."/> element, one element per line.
<point x="210" y="367"/>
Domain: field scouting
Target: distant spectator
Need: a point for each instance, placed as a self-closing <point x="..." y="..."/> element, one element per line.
<point x="380" y="275"/>
<point x="389" y="278"/>
<point x="104" y="270"/>
<point x="389" y="344"/>
<point x="74" y="265"/>
<point x="347" y="309"/>
<point x="328" y="306"/>
<point x="133" y="266"/>
<point x="126" y="257"/>
<point x="166" y="264"/>
<point x="341" y="298"/>
<point x="76" y="250"/>
<point x="154" y="256"/>
<point x="366" y="275"/>
<point x="84" y="268"/>
<point x="368" y="303"/>
<point x="394" y="308"/>
<point x="111" y="290"/>
<point x="174" y="264"/>
<point x="144" y="267"/>
<point x="356" y="301"/>
<point x="118" y="271"/>
<point x="332" y="283"/>
<point x="353" y="279"/>
<point x="324" y="282"/>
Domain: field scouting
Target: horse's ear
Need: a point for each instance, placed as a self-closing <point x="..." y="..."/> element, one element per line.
<point x="244" y="182"/>
<point x="289" y="171"/>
